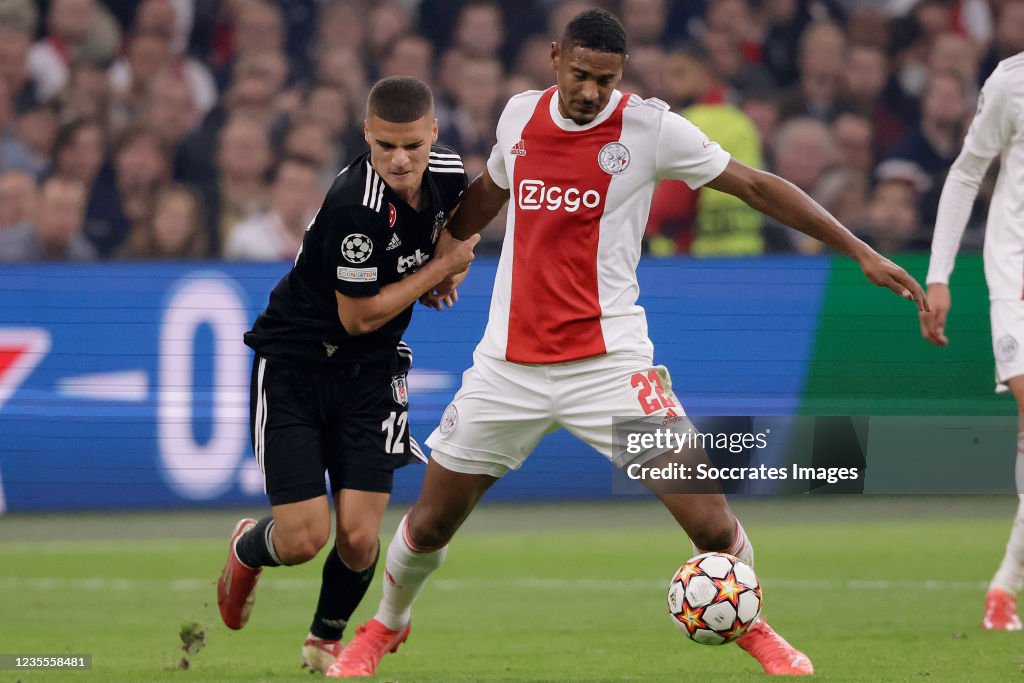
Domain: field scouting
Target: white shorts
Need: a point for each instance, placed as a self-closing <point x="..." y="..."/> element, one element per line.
<point x="1007" y="336"/>
<point x="503" y="409"/>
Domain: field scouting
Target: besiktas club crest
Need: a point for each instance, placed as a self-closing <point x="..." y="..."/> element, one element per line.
<point x="613" y="158"/>
<point x="400" y="390"/>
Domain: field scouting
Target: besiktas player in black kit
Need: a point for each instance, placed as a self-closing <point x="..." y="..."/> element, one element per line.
<point x="329" y="389"/>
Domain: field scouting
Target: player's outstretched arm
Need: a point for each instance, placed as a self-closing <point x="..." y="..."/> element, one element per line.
<point x="955" y="203"/>
<point x="786" y="203"/>
<point x="480" y="204"/>
<point x="361" y="315"/>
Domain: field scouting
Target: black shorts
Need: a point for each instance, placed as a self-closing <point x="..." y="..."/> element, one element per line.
<point x="350" y="421"/>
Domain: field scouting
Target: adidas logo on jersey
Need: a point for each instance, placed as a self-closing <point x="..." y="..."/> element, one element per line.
<point x="518" y="149"/>
<point x="395" y="243"/>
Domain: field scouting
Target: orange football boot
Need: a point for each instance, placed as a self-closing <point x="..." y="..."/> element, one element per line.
<point x="1000" y="611"/>
<point x="363" y="654"/>
<point x="773" y="653"/>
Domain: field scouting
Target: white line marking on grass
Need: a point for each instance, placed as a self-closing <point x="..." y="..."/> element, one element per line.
<point x="92" y="547"/>
<point x="530" y="583"/>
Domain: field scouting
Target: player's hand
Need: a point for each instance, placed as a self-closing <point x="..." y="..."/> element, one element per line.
<point x="444" y="293"/>
<point x="455" y="254"/>
<point x="885" y="273"/>
<point x="433" y="299"/>
<point x="933" y="322"/>
<point x="448" y="285"/>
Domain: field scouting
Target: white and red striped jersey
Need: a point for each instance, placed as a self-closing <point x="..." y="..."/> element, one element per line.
<point x="566" y="285"/>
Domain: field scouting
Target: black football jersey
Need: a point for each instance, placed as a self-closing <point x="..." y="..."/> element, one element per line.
<point x="363" y="238"/>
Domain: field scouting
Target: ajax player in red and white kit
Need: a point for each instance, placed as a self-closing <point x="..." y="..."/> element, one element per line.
<point x="997" y="130"/>
<point x="566" y="344"/>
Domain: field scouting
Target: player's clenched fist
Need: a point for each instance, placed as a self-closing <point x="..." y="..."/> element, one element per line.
<point x="455" y="254"/>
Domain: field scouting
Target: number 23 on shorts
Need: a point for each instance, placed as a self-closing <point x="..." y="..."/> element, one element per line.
<point x="652" y="395"/>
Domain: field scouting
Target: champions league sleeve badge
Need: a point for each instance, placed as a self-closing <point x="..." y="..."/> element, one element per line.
<point x="356" y="248"/>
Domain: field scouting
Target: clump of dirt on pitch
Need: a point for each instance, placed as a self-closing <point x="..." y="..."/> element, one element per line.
<point x="193" y="639"/>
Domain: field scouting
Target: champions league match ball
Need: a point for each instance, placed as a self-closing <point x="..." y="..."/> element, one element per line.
<point x="714" y="598"/>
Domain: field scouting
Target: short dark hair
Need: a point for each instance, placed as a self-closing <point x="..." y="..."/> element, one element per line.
<point x="595" y="29"/>
<point x="399" y="99"/>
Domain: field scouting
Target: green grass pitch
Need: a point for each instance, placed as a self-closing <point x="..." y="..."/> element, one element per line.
<point x="871" y="588"/>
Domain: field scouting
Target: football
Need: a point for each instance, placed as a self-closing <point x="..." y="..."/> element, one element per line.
<point x="714" y="598"/>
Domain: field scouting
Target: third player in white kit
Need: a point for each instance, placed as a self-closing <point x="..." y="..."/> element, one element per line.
<point x="997" y="129"/>
<point x="566" y="344"/>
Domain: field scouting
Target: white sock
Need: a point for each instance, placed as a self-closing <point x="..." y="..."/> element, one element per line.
<point x="405" y="571"/>
<point x="1010" y="574"/>
<point x="740" y="547"/>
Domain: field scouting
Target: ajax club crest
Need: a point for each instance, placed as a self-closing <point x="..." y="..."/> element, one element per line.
<point x="1006" y="348"/>
<point x="613" y="158"/>
<point x="449" y="420"/>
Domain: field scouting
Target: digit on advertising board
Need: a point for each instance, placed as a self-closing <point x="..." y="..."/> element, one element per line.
<point x="202" y="470"/>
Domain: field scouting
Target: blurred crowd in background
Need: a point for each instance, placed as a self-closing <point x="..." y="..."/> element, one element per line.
<point x="194" y="129"/>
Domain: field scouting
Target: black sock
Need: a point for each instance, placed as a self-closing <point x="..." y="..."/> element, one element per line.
<point x="340" y="593"/>
<point x="255" y="547"/>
